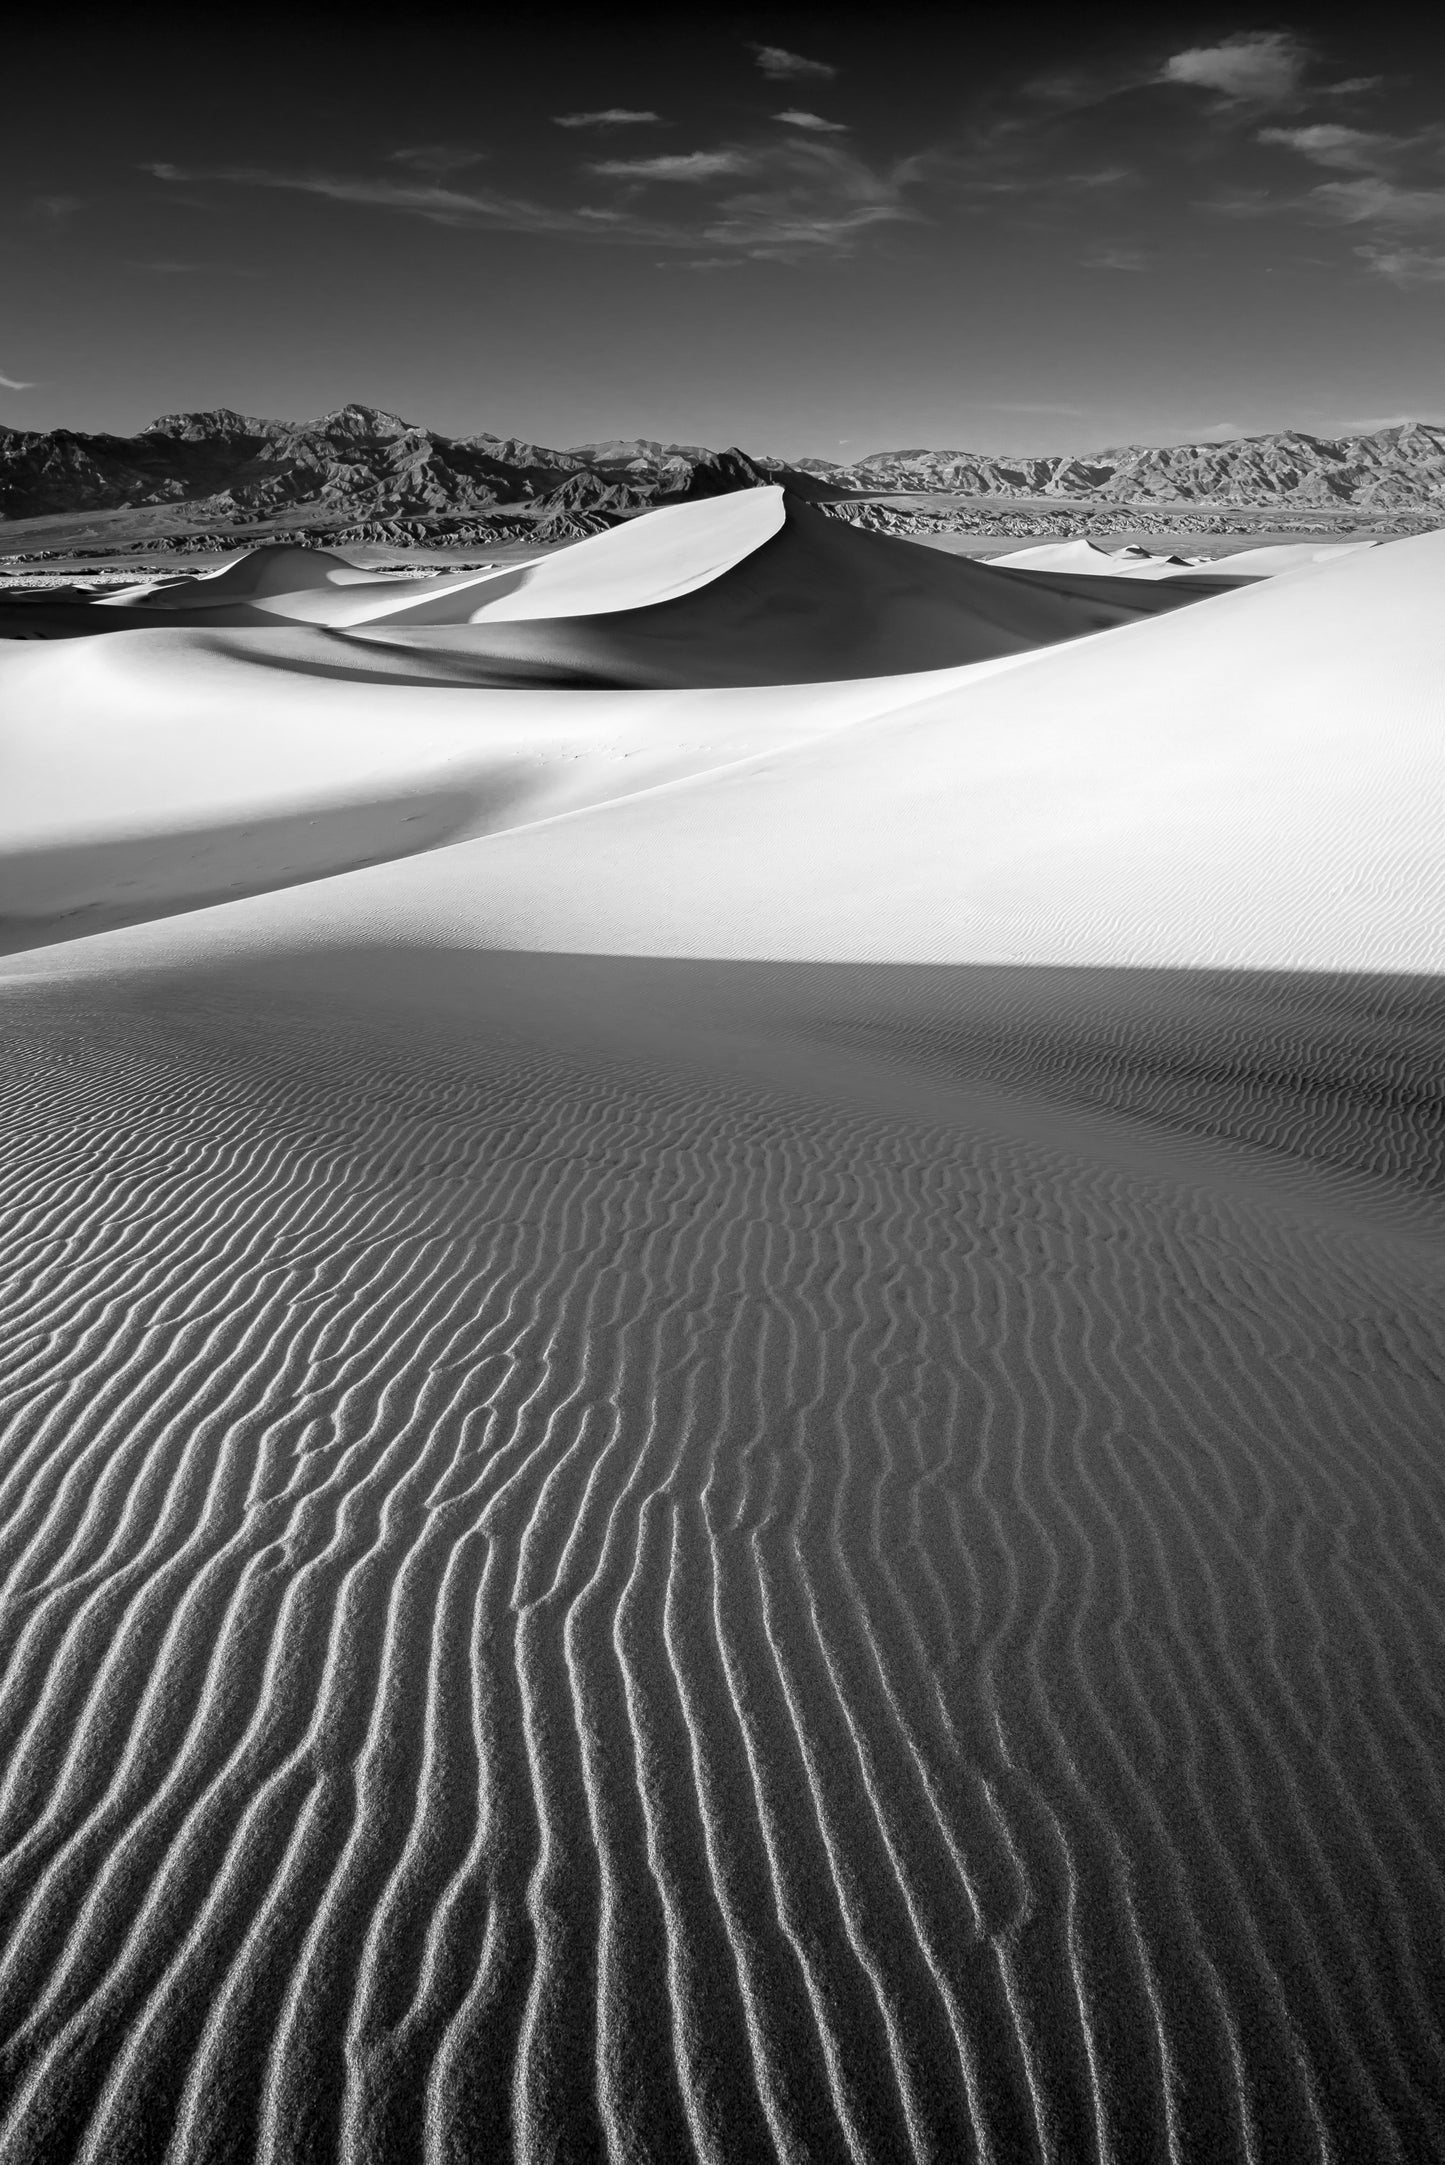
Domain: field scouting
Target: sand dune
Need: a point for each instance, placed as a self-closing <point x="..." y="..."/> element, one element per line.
<point x="638" y="565"/>
<point x="248" y="575"/>
<point x="749" y="1467"/>
<point x="1086" y="557"/>
<point x="1082" y="558"/>
<point x="743" y="589"/>
<point x="1180" y="793"/>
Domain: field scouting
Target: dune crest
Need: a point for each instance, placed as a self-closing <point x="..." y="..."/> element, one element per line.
<point x="752" y="588"/>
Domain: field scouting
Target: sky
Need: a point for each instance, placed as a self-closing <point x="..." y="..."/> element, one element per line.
<point x="805" y="232"/>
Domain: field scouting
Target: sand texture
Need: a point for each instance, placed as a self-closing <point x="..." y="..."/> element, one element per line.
<point x="740" y="1456"/>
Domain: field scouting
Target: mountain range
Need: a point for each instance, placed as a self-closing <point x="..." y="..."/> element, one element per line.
<point x="360" y="472"/>
<point x="1387" y="469"/>
<point x="225" y="468"/>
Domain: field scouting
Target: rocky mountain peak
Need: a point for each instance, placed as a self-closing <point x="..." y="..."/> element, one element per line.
<point x="218" y="424"/>
<point x="360" y="424"/>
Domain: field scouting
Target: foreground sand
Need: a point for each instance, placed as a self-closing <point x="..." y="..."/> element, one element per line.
<point x="755" y="1471"/>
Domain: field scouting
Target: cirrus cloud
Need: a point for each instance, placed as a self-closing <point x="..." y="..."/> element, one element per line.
<point x="786" y="199"/>
<point x="781" y="66"/>
<point x="437" y="157"/>
<point x="813" y="122"/>
<point x="684" y="165"/>
<point x="610" y="116"/>
<point x="1254" y="67"/>
<point x="1393" y="190"/>
<point x="1403" y="265"/>
<point x="1354" y="150"/>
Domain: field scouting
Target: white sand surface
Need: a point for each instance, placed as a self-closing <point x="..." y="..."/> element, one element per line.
<point x="747" y="1467"/>
<point x="149" y="772"/>
<point x="1273" y="558"/>
<point x="1181" y="792"/>
<point x="1087" y="557"/>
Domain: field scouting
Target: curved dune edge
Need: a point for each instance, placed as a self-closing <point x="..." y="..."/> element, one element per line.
<point x="652" y="559"/>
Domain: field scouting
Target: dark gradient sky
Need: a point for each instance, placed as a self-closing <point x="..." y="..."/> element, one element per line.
<point x="1001" y="228"/>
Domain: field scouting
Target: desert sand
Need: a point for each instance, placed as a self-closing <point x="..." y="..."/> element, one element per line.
<point x="723" y="1369"/>
<point x="1134" y="562"/>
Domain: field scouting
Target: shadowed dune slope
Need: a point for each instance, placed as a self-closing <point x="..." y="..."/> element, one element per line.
<point x="725" y="1562"/>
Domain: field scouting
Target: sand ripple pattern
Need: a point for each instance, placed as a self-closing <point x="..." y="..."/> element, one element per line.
<point x="554" y="1610"/>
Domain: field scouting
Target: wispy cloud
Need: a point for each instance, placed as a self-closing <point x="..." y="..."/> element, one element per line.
<point x="13" y="383"/>
<point x="784" y="199"/>
<point x="1403" y="265"/>
<point x="1251" y="71"/>
<point x="1354" y="150"/>
<point x="1373" y="200"/>
<point x="1117" y="120"/>
<point x="164" y="268"/>
<point x="814" y="122"/>
<point x="1194" y="111"/>
<point x="781" y="66"/>
<point x="482" y="209"/>
<point x="1238" y="199"/>
<point x="1254" y="67"/>
<point x="1394" y="191"/>
<point x="55" y="208"/>
<point x="437" y="157"/>
<point x="610" y="116"/>
<point x="684" y="165"/>
<point x="807" y="197"/>
<point x="1118" y="258"/>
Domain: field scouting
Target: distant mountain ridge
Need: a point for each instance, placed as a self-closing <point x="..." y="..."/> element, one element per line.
<point x="1388" y="469"/>
<point x="356" y="463"/>
<point x="360" y="464"/>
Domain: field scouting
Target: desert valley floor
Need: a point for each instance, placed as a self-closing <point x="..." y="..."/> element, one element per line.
<point x="723" y="1375"/>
